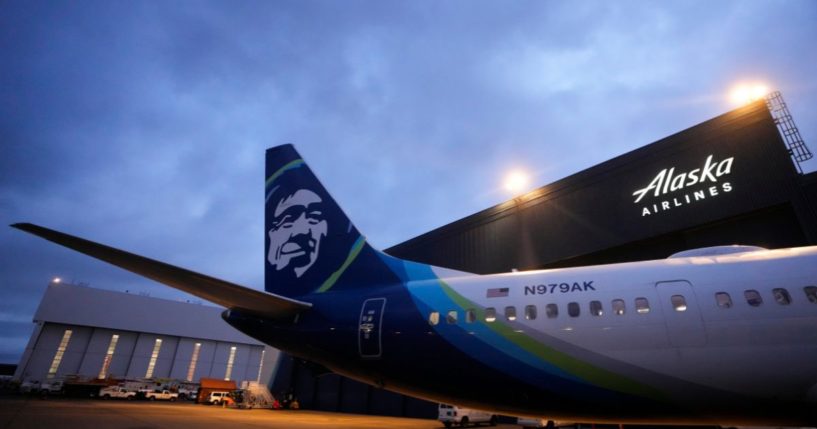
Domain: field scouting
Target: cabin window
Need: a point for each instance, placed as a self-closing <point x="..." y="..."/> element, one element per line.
<point x="679" y="303"/>
<point x="552" y="311"/>
<point x="451" y="317"/>
<point x="490" y="314"/>
<point x="723" y="299"/>
<point x="618" y="307"/>
<point x="642" y="306"/>
<point x="510" y="313"/>
<point x="753" y="297"/>
<point x="434" y="318"/>
<point x="781" y="296"/>
<point x="811" y="294"/>
<point x="470" y="316"/>
<point x="573" y="309"/>
<point x="530" y="312"/>
<point x="595" y="308"/>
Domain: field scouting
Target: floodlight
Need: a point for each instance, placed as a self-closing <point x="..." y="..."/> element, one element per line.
<point x="516" y="181"/>
<point x="745" y="94"/>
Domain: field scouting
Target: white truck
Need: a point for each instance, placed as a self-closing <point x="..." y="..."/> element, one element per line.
<point x="54" y="387"/>
<point x="451" y="415"/>
<point x="118" y="392"/>
<point x="161" y="395"/>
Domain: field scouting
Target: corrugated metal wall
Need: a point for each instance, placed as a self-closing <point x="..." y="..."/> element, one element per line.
<point x="593" y="211"/>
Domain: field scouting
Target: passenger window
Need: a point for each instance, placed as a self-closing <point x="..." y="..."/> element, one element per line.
<point x="781" y="296"/>
<point x="753" y="297"/>
<point x="434" y="318"/>
<point x="530" y="312"/>
<point x="470" y="316"/>
<point x="618" y="307"/>
<point x="510" y="313"/>
<point x="451" y="317"/>
<point x="573" y="309"/>
<point x="723" y="299"/>
<point x="490" y="314"/>
<point x="679" y="303"/>
<point x="642" y="306"/>
<point x="595" y="308"/>
<point x="552" y="311"/>
<point x="811" y="294"/>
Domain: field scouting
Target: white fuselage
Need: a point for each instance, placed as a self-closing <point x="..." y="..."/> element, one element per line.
<point x="743" y="323"/>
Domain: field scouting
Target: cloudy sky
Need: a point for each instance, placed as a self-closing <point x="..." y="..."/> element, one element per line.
<point x="143" y="124"/>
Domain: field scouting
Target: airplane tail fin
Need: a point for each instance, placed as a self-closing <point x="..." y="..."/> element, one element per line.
<point x="311" y="246"/>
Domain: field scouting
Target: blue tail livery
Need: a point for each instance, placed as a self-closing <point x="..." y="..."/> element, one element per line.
<point x="311" y="245"/>
<point x="645" y="342"/>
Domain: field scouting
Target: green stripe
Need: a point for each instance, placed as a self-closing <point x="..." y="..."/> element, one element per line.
<point x="288" y="166"/>
<point x="592" y="374"/>
<point x="356" y="248"/>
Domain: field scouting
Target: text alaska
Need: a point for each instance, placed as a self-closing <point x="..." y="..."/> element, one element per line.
<point x="668" y="181"/>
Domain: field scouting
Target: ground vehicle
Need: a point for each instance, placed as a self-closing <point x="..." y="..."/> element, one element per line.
<point x="453" y="415"/>
<point x="253" y="395"/>
<point x="187" y="394"/>
<point x="117" y="392"/>
<point x="218" y="398"/>
<point x="29" y="386"/>
<point x="162" y="395"/>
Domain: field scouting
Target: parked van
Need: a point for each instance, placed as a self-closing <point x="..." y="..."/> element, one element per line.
<point x="218" y="398"/>
<point x="453" y="415"/>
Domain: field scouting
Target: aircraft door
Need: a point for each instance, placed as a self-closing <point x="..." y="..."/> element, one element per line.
<point x="370" y="327"/>
<point x="682" y="314"/>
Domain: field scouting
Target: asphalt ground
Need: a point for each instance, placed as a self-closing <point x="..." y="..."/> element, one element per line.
<point x="23" y="412"/>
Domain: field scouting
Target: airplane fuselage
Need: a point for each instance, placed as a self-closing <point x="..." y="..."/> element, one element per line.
<point x="702" y="340"/>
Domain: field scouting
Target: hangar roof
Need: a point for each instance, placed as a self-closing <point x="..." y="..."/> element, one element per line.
<point x="130" y="312"/>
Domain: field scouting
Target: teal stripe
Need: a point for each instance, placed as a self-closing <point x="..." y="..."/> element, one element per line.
<point x="289" y="166"/>
<point x="356" y="248"/>
<point x="501" y="336"/>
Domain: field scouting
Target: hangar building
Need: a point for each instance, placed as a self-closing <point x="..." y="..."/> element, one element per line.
<point x="734" y="179"/>
<point x="94" y="333"/>
<point x="729" y="180"/>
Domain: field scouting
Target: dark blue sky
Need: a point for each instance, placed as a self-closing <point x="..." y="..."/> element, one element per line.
<point x="143" y="124"/>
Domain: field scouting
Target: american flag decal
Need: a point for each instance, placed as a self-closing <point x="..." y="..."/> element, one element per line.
<point x="499" y="292"/>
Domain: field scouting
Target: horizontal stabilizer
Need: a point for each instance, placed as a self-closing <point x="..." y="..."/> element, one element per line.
<point x="224" y="293"/>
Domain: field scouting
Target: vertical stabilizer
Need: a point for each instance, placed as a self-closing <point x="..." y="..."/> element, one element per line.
<point x="311" y="245"/>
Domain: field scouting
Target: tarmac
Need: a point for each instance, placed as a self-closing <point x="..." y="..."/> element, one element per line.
<point x="33" y="412"/>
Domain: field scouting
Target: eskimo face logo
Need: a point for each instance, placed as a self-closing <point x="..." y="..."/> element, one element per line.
<point x="298" y="226"/>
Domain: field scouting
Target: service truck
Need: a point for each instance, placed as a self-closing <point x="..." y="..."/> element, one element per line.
<point x="161" y="395"/>
<point x="118" y="392"/>
<point x="453" y="415"/>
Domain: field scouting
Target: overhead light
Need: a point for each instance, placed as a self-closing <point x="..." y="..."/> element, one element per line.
<point x="747" y="93"/>
<point x="56" y="280"/>
<point x="516" y="181"/>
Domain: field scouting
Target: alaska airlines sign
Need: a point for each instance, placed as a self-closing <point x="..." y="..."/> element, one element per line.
<point x="684" y="188"/>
